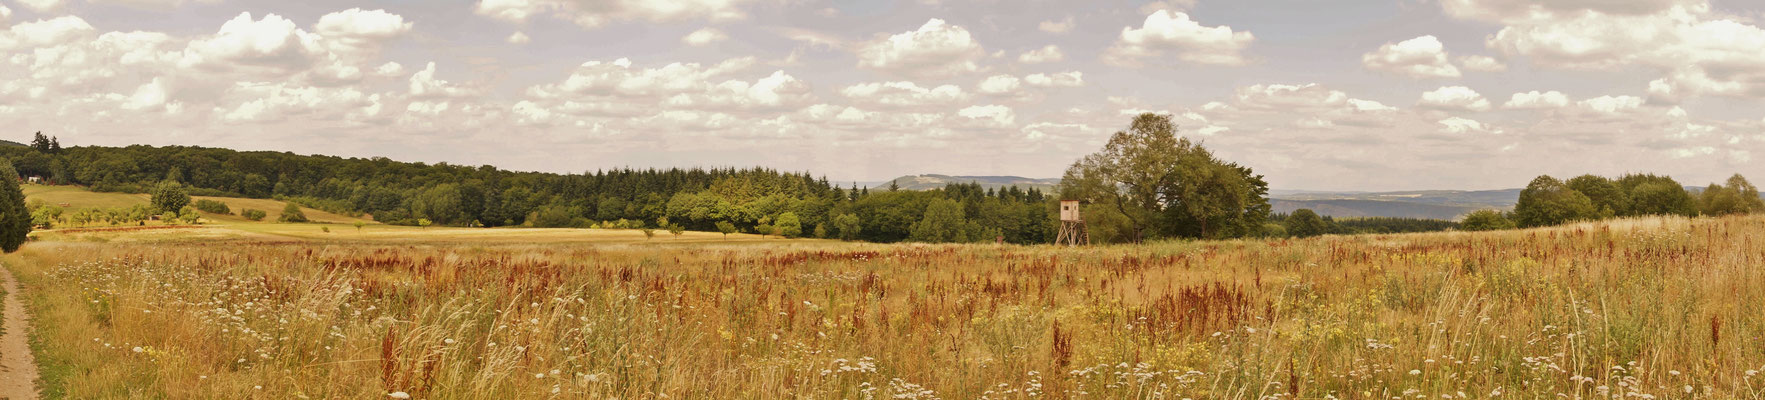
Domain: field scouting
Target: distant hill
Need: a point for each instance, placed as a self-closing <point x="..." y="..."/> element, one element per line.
<point x="9" y="143"/>
<point x="1504" y="198"/>
<point x="1373" y="208"/>
<point x="1435" y="204"/>
<point x="933" y="181"/>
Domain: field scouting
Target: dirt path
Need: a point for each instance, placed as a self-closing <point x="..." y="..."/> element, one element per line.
<point x="18" y="369"/>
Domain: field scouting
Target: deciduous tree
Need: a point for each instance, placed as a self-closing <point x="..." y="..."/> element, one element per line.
<point x="1547" y="201"/>
<point x="1160" y="184"/>
<point x="169" y="196"/>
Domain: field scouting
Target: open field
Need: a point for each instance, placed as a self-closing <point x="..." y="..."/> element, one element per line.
<point x="1666" y="307"/>
<point x="75" y="197"/>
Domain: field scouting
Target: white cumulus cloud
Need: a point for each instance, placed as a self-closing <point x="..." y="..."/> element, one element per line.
<point x="1422" y="57"/>
<point x="936" y="50"/>
<point x="1537" y="100"/>
<point x="1046" y="54"/>
<point x="1168" y="31"/>
<point x="596" y="13"/>
<point x="1455" y="98"/>
<point x="704" y="36"/>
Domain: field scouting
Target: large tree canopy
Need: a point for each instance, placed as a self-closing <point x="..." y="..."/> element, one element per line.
<point x="1160" y="185"/>
<point x="1548" y="201"/>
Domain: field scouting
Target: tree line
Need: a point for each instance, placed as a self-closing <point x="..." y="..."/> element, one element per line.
<point x="755" y="200"/>
<point x="1549" y="201"/>
<point x="1307" y="223"/>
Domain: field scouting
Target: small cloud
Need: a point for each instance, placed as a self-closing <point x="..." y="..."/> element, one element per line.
<point x="704" y="36"/>
<point x="519" y="38"/>
<point x="1046" y="54"/>
<point x="1482" y="64"/>
<point x="1051" y="26"/>
<point x="1455" y="98"/>
<point x="1537" y="100"/>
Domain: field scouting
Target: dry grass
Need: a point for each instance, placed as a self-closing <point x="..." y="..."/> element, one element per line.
<point x="76" y="197"/>
<point x="1669" y="308"/>
<point x="273" y="208"/>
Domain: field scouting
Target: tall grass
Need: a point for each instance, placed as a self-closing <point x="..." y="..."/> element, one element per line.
<point x="1669" y="308"/>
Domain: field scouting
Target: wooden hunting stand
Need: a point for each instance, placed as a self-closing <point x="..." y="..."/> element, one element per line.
<point x="1072" y="226"/>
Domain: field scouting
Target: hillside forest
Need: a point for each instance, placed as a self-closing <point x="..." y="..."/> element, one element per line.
<point x="1147" y="183"/>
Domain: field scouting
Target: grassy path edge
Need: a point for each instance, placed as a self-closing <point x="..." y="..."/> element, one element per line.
<point x="18" y="367"/>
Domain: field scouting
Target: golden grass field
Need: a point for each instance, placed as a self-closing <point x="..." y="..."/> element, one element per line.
<point x="1637" y="308"/>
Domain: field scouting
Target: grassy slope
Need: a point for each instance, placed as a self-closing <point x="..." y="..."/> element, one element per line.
<point x="75" y="198"/>
<point x="1370" y="316"/>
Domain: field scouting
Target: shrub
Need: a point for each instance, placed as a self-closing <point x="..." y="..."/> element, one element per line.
<point x="292" y="213"/>
<point x="213" y="207"/>
<point x="189" y="216"/>
<point x="1486" y="220"/>
<point x="254" y="215"/>
<point x="1306" y="223"/>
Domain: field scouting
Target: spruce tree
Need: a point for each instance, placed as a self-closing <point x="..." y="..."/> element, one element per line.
<point x="40" y="142"/>
<point x="15" y="220"/>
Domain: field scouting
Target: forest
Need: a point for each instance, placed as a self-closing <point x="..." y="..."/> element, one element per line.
<point x="754" y="200"/>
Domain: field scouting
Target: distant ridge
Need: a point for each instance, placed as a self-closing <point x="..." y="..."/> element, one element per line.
<point x="935" y="181"/>
<point x="1431" y="204"/>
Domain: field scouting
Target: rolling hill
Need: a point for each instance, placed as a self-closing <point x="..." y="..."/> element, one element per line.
<point x="1434" y="204"/>
<point x="934" y="181"/>
<point x="1345" y="208"/>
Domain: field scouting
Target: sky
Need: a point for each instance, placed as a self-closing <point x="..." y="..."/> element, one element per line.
<point x="1315" y="95"/>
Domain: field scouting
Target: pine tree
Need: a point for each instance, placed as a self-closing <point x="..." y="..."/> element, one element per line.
<point x="55" y="145"/>
<point x="40" y="142"/>
<point x="15" y="220"/>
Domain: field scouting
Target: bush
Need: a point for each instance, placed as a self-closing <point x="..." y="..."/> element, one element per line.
<point x="552" y="216"/>
<point x="254" y="215"/>
<point x="1306" y="223"/>
<point x="292" y="213"/>
<point x="213" y="207"/>
<point x="189" y="216"/>
<point x="1486" y="220"/>
<point x="789" y="225"/>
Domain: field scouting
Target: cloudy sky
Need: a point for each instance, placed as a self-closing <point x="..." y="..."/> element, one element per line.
<point x="1322" y="95"/>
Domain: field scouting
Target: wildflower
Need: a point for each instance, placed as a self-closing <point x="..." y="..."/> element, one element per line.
<point x="1752" y="372"/>
<point x="399" y="395"/>
<point x="137" y="349"/>
<point x="1415" y="372"/>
